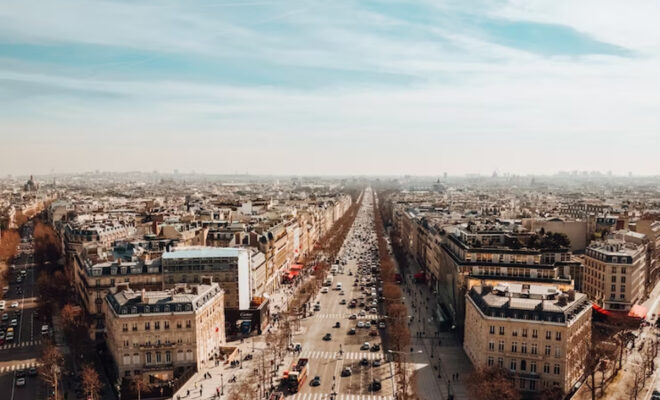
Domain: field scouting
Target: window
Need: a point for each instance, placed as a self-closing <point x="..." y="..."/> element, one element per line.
<point x="158" y="357"/>
<point x="613" y="278"/>
<point x="523" y="348"/>
<point x="491" y="346"/>
<point x="492" y="329"/>
<point x="501" y="330"/>
<point x="136" y="358"/>
<point x="124" y="327"/>
<point x="125" y="343"/>
<point x="534" y="348"/>
<point x="623" y="288"/>
<point x="500" y="347"/>
<point x="514" y="347"/>
<point x="500" y="362"/>
<point x="168" y="357"/>
<point x="523" y="365"/>
<point x="491" y="361"/>
<point x="535" y="333"/>
<point x="546" y="368"/>
<point x="148" y="357"/>
<point x="522" y="384"/>
<point x="548" y="335"/>
<point x="147" y="309"/>
<point x="147" y="326"/>
<point x="557" y="352"/>
<point x="166" y="308"/>
<point x="166" y="324"/>
<point x="614" y="270"/>
<point x="548" y="348"/>
<point x="613" y="288"/>
<point x="556" y="371"/>
<point x="157" y="325"/>
<point x="134" y="327"/>
<point x="513" y="365"/>
<point x="622" y="296"/>
<point x="178" y="324"/>
<point x="524" y="331"/>
<point x="188" y="323"/>
<point x="127" y="359"/>
<point x="514" y="332"/>
<point x="532" y="366"/>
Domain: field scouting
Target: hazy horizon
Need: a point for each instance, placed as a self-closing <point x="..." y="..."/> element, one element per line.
<point x="382" y="88"/>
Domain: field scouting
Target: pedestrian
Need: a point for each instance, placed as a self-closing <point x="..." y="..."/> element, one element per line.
<point x="200" y="392"/>
<point x="457" y="376"/>
<point x="187" y="392"/>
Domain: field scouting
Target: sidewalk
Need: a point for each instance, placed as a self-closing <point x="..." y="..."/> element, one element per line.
<point x="443" y="365"/>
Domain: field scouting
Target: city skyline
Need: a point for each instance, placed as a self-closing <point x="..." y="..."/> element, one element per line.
<point x="308" y="88"/>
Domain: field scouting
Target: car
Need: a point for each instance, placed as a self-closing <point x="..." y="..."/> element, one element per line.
<point x="324" y="290"/>
<point x="20" y="373"/>
<point x="2" y="305"/>
<point x="360" y="324"/>
<point x="5" y="317"/>
<point x="19" y="279"/>
<point x="20" y="382"/>
<point x="362" y="313"/>
<point x="346" y="372"/>
<point x="375" y="347"/>
<point x="337" y="324"/>
<point x="373" y="332"/>
<point x="342" y="293"/>
<point x="44" y="330"/>
<point x="381" y="325"/>
<point x="365" y="346"/>
<point x="32" y="371"/>
<point x="14" y="304"/>
<point x="351" y="331"/>
<point x="342" y="302"/>
<point x="327" y="337"/>
<point x="373" y="310"/>
<point x="364" y="361"/>
<point x="367" y="324"/>
<point x="14" y="322"/>
<point x="316" y="381"/>
<point x="375" y="386"/>
<point x="352" y="316"/>
<point x="376" y="363"/>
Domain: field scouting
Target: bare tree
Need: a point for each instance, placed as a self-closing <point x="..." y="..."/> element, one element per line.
<point x="492" y="383"/>
<point x="51" y="365"/>
<point x="90" y="382"/>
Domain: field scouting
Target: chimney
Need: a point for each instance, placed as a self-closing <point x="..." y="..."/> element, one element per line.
<point x="571" y="295"/>
<point x="144" y="293"/>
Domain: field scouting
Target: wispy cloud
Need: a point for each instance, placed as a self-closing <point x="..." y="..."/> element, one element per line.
<point x="443" y="81"/>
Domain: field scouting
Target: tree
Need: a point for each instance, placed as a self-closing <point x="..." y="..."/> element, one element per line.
<point x="50" y="369"/>
<point x="47" y="246"/>
<point x="9" y="244"/>
<point x="90" y="382"/>
<point x="492" y="383"/>
<point x="553" y="393"/>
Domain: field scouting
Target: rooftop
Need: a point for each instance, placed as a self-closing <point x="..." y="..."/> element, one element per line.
<point x="202" y="252"/>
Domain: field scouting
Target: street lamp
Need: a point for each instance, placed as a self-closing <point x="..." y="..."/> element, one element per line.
<point x="222" y="385"/>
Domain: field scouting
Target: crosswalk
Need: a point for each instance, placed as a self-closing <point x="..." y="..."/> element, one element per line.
<point x="342" y="316"/>
<point x="327" y="355"/>
<point x="18" y="366"/>
<point x="326" y="396"/>
<point x="21" y="344"/>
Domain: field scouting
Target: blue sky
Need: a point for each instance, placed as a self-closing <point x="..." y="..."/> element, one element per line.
<point x="317" y="87"/>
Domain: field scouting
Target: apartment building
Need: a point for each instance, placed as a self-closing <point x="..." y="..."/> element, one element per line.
<point x="539" y="333"/>
<point x="614" y="274"/>
<point x="496" y="253"/>
<point x="229" y="267"/>
<point x="157" y="335"/>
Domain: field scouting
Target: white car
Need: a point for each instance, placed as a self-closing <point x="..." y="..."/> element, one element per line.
<point x="360" y="324"/>
<point x="324" y="290"/>
<point x="20" y="382"/>
<point x="365" y="346"/>
<point x="14" y="304"/>
<point x="362" y="313"/>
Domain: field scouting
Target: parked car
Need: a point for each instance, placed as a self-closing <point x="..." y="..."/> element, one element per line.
<point x="327" y="337"/>
<point x="316" y="381"/>
<point x="365" y="346"/>
<point x="346" y="372"/>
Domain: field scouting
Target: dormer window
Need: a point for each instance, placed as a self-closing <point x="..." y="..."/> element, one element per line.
<point x="123" y="310"/>
<point x="167" y="308"/>
<point x="147" y="309"/>
<point x="133" y="310"/>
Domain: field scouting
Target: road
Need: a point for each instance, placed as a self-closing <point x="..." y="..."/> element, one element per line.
<point x="325" y="358"/>
<point x="23" y="352"/>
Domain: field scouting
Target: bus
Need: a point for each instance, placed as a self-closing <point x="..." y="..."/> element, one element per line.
<point x="295" y="378"/>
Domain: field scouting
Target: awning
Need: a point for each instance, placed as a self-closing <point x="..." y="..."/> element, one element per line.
<point x="600" y="309"/>
<point x="296" y="267"/>
<point x="638" y="311"/>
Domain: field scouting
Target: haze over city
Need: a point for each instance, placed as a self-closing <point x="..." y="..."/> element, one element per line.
<point x="312" y="87"/>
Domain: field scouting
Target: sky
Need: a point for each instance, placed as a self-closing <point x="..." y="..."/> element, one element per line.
<point x="330" y="87"/>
